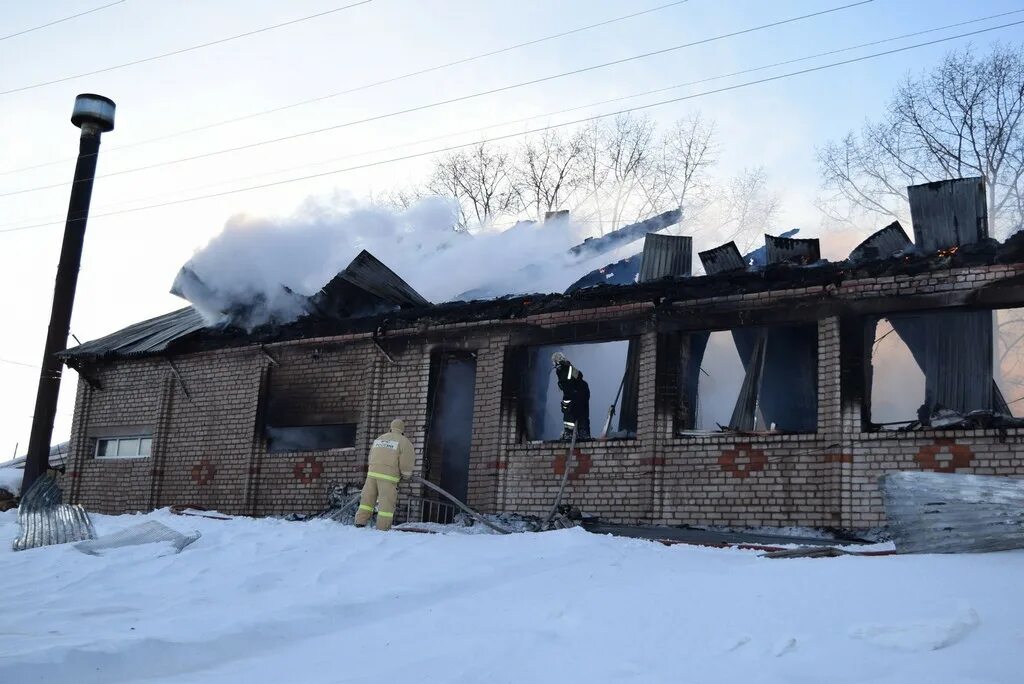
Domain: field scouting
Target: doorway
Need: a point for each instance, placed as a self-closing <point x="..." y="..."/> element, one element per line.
<point x="450" y="424"/>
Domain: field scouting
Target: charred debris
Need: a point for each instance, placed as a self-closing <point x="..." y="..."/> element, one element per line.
<point x="779" y="357"/>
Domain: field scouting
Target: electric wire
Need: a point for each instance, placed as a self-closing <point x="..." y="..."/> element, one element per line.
<point x="431" y="105"/>
<point x="597" y="117"/>
<point x="532" y="117"/>
<point x="179" y="51"/>
<point x="59" y="21"/>
<point x="18" y="363"/>
<point x="367" y="86"/>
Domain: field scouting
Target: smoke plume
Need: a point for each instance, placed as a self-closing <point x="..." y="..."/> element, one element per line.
<point x="271" y="266"/>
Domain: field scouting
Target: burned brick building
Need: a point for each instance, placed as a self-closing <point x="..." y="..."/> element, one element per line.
<point x="172" y="411"/>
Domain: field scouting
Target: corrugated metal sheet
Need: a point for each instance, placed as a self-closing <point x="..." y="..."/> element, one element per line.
<point x="882" y="244"/>
<point x="954" y="351"/>
<point x="147" y="337"/>
<point x="780" y="250"/>
<point x="722" y="259"/>
<point x="44" y="520"/>
<point x="666" y="256"/>
<point x="948" y="213"/>
<point x="149" y="532"/>
<point x="953" y="513"/>
<point x="592" y="247"/>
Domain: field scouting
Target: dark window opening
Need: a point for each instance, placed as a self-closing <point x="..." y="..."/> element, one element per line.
<point x="301" y="414"/>
<point x="606" y="398"/>
<point x="946" y="369"/>
<point x="748" y="380"/>
<point x="310" y="437"/>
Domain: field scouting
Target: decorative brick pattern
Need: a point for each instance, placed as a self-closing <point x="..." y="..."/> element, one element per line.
<point x="945" y="456"/>
<point x="308" y="469"/>
<point x="203" y="472"/>
<point x="581" y="463"/>
<point x="742" y="460"/>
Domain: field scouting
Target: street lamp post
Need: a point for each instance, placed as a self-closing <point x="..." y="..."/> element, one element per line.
<point x="94" y="114"/>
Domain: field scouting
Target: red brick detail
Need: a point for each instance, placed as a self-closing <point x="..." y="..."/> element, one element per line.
<point x="944" y="456"/>
<point x="74" y="474"/>
<point x="581" y="465"/>
<point x="500" y="465"/>
<point x="837" y="458"/>
<point x="203" y="472"/>
<point x="308" y="469"/>
<point x="742" y="460"/>
<point x="653" y="461"/>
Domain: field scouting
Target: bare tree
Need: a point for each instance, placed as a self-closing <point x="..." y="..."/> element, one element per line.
<point x="482" y="180"/>
<point x="963" y="118"/>
<point x="680" y="177"/>
<point x="748" y="207"/>
<point x="399" y="199"/>
<point x="618" y="159"/>
<point x="550" y="172"/>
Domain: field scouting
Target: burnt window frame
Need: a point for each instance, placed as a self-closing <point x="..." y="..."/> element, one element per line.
<point x="517" y="374"/>
<point x="263" y="423"/>
<point x="857" y="338"/>
<point x="670" y="391"/>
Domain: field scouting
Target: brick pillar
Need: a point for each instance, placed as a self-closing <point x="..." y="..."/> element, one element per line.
<point x="160" y="437"/>
<point x="838" y="411"/>
<point x="652" y="429"/>
<point x="79" y="443"/>
<point x="485" y="452"/>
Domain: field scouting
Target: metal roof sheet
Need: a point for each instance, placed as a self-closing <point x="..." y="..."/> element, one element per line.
<point x="882" y="244"/>
<point x="665" y="256"/>
<point x="147" y="337"/>
<point x="721" y="259"/>
<point x="948" y="213"/>
<point x="794" y="250"/>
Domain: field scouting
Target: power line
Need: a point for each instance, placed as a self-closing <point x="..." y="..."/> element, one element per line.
<point x="59" y="21"/>
<point x="18" y="363"/>
<point x="564" y="111"/>
<point x="183" y="50"/>
<point x="431" y="105"/>
<point x="550" y="114"/>
<point x="366" y="86"/>
<point x="451" y="148"/>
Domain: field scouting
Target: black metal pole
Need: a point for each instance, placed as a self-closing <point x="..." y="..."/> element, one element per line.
<point x="38" y="458"/>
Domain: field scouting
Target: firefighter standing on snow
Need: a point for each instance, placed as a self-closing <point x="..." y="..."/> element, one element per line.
<point x="391" y="461"/>
<point x="575" y="398"/>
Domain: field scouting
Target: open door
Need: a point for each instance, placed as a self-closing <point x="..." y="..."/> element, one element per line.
<point x="450" y="421"/>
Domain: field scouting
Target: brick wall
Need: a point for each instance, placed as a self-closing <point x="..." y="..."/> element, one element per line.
<point x="208" y="449"/>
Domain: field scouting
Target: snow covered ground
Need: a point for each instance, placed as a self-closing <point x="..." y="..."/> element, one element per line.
<point x="306" y="602"/>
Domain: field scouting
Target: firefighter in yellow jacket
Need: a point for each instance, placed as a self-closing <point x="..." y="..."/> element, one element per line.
<point x="391" y="461"/>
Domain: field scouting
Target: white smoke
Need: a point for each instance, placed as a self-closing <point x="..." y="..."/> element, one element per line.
<point x="253" y="260"/>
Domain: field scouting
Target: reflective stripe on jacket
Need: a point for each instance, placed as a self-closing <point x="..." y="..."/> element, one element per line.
<point x="391" y="457"/>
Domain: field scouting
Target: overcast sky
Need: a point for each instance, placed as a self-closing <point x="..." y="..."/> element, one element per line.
<point x="130" y="259"/>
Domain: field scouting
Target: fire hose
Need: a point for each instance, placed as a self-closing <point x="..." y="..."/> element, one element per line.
<point x="561" y="488"/>
<point x="466" y="509"/>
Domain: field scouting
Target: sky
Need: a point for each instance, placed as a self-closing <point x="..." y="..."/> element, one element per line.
<point x="131" y="258"/>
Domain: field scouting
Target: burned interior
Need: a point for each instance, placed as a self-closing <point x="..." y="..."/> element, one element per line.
<point x="771" y="390"/>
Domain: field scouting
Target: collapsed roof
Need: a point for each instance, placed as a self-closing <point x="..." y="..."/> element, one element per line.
<point x="367" y="295"/>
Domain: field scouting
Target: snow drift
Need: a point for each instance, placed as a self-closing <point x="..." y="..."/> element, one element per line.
<point x="273" y="601"/>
